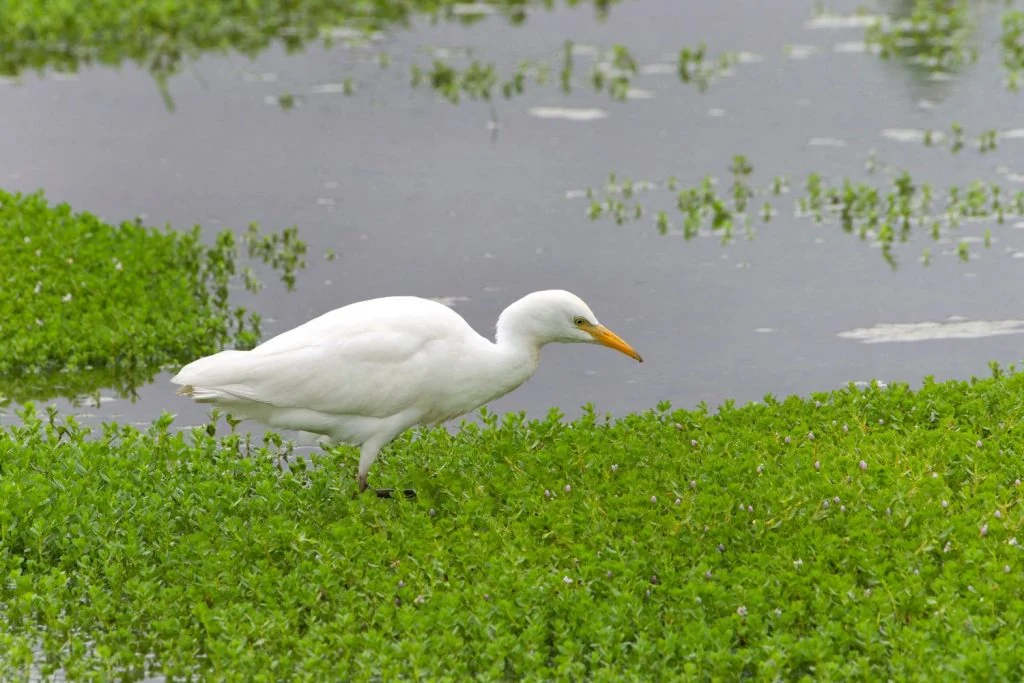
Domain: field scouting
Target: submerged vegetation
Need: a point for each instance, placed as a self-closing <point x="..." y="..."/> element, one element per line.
<point x="86" y="304"/>
<point x="885" y="215"/>
<point x="868" y="534"/>
<point x="612" y="71"/>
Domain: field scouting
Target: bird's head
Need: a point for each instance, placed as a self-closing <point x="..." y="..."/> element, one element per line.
<point x="555" y="315"/>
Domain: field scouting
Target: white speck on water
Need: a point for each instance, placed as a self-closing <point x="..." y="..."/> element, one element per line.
<point x="658" y="69"/>
<point x="1012" y="134"/>
<point x="328" y="88"/>
<point x="639" y="94"/>
<point x="470" y="9"/>
<point x="831" y="21"/>
<point x="854" y="47"/>
<point x="585" y="50"/>
<point x="749" y="58"/>
<point x="826" y="142"/>
<point x="912" y="135"/>
<point x="715" y="112"/>
<point x="765" y="330"/>
<point x="568" y="113"/>
<point x="575" y="194"/>
<point x="800" y="51"/>
<point x="255" y="77"/>
<point x="930" y="331"/>
<point x="449" y="301"/>
<point x="325" y="201"/>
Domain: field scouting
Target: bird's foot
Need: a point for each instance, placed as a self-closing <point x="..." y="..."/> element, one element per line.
<point x="390" y="493"/>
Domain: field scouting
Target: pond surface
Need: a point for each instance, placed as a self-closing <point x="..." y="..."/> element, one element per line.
<point x="417" y="196"/>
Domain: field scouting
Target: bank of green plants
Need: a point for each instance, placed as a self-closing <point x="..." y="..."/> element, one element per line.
<point x="865" y="534"/>
<point x="161" y="37"/>
<point x="86" y="304"/>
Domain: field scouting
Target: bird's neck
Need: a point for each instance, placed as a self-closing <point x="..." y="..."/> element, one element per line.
<point x="516" y="356"/>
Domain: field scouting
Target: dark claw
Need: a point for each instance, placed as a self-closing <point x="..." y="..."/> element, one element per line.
<point x="389" y="493"/>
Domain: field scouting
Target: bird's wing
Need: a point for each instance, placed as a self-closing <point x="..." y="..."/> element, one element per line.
<point x="374" y="361"/>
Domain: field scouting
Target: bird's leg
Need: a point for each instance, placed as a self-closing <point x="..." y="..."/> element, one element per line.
<point x="367" y="455"/>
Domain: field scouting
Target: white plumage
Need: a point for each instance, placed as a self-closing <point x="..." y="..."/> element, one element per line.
<point x="364" y="373"/>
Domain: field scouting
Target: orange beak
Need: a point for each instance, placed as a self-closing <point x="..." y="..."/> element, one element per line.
<point x="602" y="335"/>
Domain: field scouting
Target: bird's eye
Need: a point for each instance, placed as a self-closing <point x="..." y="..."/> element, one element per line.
<point x="579" y="320"/>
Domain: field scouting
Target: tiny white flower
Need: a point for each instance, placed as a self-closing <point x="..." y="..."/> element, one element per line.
<point x="654" y="499"/>
<point x="945" y="503"/>
<point x="984" y="530"/>
<point x="788" y="439"/>
<point x="1006" y="569"/>
<point x="568" y="488"/>
<point x="817" y="465"/>
<point x="842" y="508"/>
<point x="978" y="443"/>
<point x="66" y="298"/>
<point x="863" y="465"/>
<point x="1013" y="541"/>
<point x="678" y="501"/>
<point x="846" y="428"/>
<point x="693" y="442"/>
<point x="760" y="469"/>
<point x="566" y="580"/>
<point x="615" y="468"/>
<point x="810" y="436"/>
<point x="998" y="514"/>
<point x="693" y="483"/>
<point x="741" y="610"/>
<point x="547" y="493"/>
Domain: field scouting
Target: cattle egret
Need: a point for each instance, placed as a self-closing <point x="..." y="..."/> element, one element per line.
<point x="364" y="373"/>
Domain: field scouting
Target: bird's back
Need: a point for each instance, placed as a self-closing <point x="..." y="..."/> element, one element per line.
<point x="369" y="360"/>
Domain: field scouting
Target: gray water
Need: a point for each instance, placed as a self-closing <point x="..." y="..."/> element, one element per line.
<point x="417" y="196"/>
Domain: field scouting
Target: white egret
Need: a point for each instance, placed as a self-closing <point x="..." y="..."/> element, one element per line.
<point x="364" y="373"/>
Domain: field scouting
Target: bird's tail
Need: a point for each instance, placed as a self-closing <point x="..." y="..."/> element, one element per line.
<point x="206" y="380"/>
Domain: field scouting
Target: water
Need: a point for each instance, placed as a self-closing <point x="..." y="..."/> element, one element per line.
<point x="417" y="196"/>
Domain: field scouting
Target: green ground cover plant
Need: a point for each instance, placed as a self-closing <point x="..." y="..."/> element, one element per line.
<point x="85" y="304"/>
<point x="867" y="533"/>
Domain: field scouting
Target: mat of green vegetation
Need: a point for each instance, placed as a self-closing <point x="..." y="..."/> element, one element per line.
<point x="159" y="36"/>
<point x="860" y="534"/>
<point x="86" y="304"/>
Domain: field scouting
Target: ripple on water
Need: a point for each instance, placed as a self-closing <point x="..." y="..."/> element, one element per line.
<point x="568" y="113"/>
<point x="912" y="135"/>
<point x="954" y="327"/>
<point x="831" y="21"/>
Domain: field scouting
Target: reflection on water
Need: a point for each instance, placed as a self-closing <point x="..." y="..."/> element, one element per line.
<point x="415" y="198"/>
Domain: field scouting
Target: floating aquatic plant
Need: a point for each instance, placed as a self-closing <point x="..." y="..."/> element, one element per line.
<point x="885" y="215"/>
<point x="937" y="35"/>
